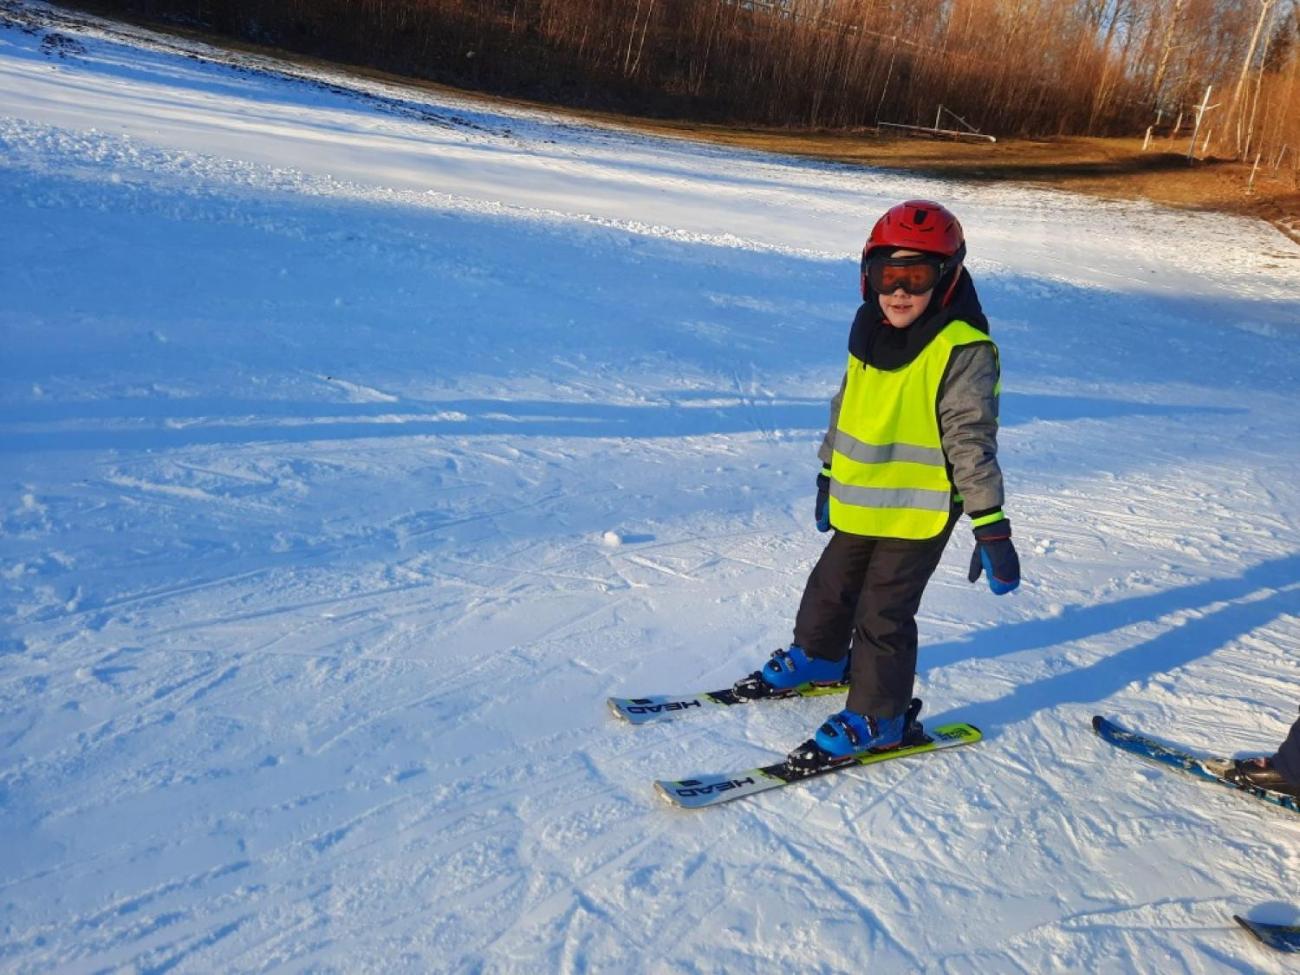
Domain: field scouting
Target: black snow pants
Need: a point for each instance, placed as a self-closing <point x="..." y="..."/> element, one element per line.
<point x="1287" y="759"/>
<point x="862" y="598"/>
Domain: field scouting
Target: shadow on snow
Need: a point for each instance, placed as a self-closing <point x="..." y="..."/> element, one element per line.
<point x="1220" y="610"/>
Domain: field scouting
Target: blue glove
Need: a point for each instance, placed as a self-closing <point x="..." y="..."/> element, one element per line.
<point x="995" y="555"/>
<point x="823" y="509"/>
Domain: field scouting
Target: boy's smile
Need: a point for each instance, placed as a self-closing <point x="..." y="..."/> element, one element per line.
<point x="902" y="309"/>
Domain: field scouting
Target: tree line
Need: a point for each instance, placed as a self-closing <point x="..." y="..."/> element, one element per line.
<point x="1004" y="67"/>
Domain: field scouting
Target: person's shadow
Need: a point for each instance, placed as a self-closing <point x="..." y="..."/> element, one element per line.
<point x="1218" y="610"/>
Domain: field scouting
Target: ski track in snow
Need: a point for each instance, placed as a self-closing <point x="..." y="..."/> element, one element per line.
<point x="319" y="396"/>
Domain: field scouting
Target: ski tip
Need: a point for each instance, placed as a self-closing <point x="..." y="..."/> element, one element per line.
<point x="665" y="792"/>
<point x="1098" y="721"/>
<point x="614" y="709"/>
<point x="1260" y="935"/>
<point x="1279" y="937"/>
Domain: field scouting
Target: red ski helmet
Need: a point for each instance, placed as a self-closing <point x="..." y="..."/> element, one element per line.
<point x="918" y="225"/>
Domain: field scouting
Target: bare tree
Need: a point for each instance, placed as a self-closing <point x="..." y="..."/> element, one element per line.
<point x="1236" y="108"/>
<point x="1011" y="67"/>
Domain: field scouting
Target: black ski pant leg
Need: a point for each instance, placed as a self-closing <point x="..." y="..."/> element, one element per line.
<point x="883" y="668"/>
<point x="824" y="624"/>
<point x="1287" y="759"/>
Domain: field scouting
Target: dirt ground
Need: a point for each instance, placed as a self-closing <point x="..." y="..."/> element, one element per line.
<point x="1114" y="168"/>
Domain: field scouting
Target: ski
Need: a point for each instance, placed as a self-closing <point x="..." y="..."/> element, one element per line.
<point x="641" y="710"/>
<point x="710" y="790"/>
<point x="1280" y="937"/>
<point x="1206" y="769"/>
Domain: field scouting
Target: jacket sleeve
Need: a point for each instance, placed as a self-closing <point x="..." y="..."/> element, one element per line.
<point x="968" y="426"/>
<point x="828" y="442"/>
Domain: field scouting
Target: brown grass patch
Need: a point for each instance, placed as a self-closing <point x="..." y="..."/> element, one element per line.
<point x="1112" y="168"/>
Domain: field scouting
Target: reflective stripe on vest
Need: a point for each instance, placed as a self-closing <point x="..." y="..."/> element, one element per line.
<point x="889" y="475"/>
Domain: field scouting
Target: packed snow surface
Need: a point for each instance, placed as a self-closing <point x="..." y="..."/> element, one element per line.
<point x="359" y="440"/>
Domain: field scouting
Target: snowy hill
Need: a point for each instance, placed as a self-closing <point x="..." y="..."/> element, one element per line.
<point x="319" y="399"/>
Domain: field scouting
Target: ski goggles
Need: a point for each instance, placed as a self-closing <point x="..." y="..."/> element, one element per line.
<point x="916" y="275"/>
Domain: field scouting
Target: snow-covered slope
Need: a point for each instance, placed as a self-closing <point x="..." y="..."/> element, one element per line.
<point x="319" y="399"/>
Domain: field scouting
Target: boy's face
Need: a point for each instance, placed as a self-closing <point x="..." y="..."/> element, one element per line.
<point x="900" y="308"/>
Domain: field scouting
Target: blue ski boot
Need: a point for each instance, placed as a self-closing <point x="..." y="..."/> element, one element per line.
<point x="788" y="670"/>
<point x="847" y="732"/>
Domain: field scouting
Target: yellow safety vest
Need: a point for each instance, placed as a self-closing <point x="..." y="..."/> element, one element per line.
<point x="889" y="475"/>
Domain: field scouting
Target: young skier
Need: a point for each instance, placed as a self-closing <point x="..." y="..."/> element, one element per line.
<point x="1280" y="773"/>
<point x="912" y="443"/>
